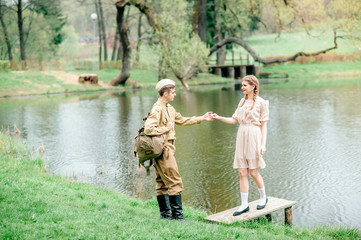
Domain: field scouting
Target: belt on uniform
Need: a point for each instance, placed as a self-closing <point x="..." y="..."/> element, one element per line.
<point x="171" y="141"/>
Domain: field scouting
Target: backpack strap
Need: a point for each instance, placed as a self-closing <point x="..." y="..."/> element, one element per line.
<point x="147" y="167"/>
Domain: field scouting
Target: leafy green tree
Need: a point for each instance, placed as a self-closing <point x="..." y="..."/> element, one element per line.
<point x="70" y="47"/>
<point x="51" y="11"/>
<point x="182" y="52"/>
<point x="230" y="18"/>
<point x="345" y="15"/>
<point x="38" y="30"/>
<point x="8" y="32"/>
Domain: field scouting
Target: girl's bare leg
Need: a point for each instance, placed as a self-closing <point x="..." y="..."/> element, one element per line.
<point x="261" y="188"/>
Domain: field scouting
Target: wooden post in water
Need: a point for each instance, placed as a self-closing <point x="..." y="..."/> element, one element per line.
<point x="243" y="71"/>
<point x="256" y="70"/>
<point x="288" y="216"/>
<point x="231" y="72"/>
<point x="218" y="71"/>
<point x="232" y="55"/>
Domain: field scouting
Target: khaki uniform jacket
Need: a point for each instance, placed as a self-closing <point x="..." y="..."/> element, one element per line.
<point x="161" y="114"/>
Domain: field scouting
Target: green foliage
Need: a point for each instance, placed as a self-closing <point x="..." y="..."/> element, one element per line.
<point x="37" y="46"/>
<point x="13" y="145"/>
<point x="42" y="22"/>
<point x="183" y="52"/>
<point x="69" y="48"/>
<point x="10" y="21"/>
<point x="345" y="16"/>
<point x="232" y="18"/>
<point x="4" y="65"/>
<point x="51" y="11"/>
<point x="236" y="17"/>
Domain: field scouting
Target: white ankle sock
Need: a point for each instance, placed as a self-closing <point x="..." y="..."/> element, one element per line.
<point x="262" y="196"/>
<point x="244" y="199"/>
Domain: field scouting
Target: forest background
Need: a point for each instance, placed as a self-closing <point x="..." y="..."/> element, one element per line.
<point x="44" y="45"/>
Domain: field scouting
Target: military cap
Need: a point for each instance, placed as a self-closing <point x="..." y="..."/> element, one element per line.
<point x="164" y="82"/>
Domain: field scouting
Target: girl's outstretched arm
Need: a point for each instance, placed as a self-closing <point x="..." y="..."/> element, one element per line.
<point x="228" y="120"/>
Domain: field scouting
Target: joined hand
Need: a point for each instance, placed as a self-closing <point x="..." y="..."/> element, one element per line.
<point x="208" y="116"/>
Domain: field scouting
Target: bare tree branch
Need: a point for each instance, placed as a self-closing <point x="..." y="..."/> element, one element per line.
<point x="275" y="60"/>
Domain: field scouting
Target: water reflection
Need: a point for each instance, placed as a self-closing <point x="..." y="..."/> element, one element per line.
<point x="314" y="144"/>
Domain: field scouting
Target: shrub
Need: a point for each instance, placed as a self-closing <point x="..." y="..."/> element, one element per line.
<point x="4" y="65"/>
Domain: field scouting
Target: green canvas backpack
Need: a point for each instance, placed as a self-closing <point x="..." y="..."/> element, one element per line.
<point x="147" y="148"/>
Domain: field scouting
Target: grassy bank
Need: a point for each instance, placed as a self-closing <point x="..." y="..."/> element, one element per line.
<point x="38" y="205"/>
<point x="316" y="74"/>
<point x="145" y="73"/>
<point x="319" y="71"/>
<point x="23" y="83"/>
<point x="20" y="83"/>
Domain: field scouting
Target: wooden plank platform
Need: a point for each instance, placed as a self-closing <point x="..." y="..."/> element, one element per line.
<point x="272" y="205"/>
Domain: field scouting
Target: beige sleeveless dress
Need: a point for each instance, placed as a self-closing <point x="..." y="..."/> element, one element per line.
<point x="248" y="143"/>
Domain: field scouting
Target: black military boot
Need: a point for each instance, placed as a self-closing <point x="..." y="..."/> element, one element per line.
<point x="176" y="206"/>
<point x="164" y="207"/>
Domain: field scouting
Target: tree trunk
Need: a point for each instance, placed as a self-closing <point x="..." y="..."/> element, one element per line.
<point x="139" y="43"/>
<point x="123" y="30"/>
<point x="99" y="34"/>
<point x="270" y="61"/>
<point x="6" y="35"/>
<point x="104" y="34"/>
<point x="119" y="52"/>
<point x="202" y="19"/>
<point x="221" y="54"/>
<point x="21" y="33"/>
<point x="161" y="68"/>
<point x="115" y="43"/>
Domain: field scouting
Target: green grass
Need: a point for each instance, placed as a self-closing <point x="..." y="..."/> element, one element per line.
<point x="318" y="71"/>
<point x="290" y="43"/>
<point x="19" y="83"/>
<point x="28" y="82"/>
<point x="148" y="77"/>
<point x="316" y="75"/>
<point x="38" y="205"/>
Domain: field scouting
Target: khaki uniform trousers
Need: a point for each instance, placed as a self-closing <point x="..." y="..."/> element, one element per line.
<point x="168" y="179"/>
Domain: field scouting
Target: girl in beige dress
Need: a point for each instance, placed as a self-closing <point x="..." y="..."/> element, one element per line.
<point x="252" y="114"/>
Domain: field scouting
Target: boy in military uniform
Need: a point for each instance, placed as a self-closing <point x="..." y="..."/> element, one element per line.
<point x="161" y="121"/>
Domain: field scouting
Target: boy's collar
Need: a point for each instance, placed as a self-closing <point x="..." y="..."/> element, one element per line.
<point x="162" y="101"/>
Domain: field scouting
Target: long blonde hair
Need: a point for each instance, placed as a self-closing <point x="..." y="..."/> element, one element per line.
<point x="253" y="81"/>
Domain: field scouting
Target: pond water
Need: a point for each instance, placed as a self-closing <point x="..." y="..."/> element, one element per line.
<point x="313" y="146"/>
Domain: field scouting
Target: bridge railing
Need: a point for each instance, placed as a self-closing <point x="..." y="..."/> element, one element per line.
<point x="235" y="59"/>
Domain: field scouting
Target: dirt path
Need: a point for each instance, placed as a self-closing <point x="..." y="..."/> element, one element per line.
<point x="70" y="78"/>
